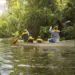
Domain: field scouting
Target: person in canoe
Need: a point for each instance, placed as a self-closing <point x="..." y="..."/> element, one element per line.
<point x="25" y="35"/>
<point x="39" y="39"/>
<point x="54" y="34"/>
<point x="30" y="39"/>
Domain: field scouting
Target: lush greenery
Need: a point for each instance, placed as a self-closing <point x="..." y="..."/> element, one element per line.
<point x="37" y="16"/>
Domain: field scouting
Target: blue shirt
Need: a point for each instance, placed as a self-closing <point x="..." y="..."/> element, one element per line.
<point x="54" y="34"/>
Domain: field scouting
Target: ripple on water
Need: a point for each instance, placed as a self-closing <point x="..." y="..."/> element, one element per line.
<point x="6" y="66"/>
<point x="23" y="65"/>
<point x="8" y="57"/>
<point x="7" y="61"/>
<point x="6" y="72"/>
<point x="16" y="60"/>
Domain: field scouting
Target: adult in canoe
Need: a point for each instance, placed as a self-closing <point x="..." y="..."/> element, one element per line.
<point x="54" y="34"/>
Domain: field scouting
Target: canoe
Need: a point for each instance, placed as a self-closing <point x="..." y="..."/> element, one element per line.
<point x="47" y="44"/>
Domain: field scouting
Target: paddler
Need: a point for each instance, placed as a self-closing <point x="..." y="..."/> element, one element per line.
<point x="54" y="34"/>
<point x="30" y="39"/>
<point x="25" y="35"/>
<point x="39" y="39"/>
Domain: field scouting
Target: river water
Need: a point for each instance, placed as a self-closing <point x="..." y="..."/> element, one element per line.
<point x="25" y="60"/>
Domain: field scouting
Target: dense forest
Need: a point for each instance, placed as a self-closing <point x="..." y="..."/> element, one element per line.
<point x="37" y="16"/>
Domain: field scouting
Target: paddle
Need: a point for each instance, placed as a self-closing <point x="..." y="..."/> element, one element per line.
<point x="16" y="38"/>
<point x="15" y="41"/>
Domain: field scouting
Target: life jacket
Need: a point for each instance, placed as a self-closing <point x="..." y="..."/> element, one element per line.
<point x="24" y="33"/>
<point x="30" y="39"/>
<point x="39" y="40"/>
<point x="55" y="30"/>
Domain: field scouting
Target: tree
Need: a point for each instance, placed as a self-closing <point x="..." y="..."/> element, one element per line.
<point x="34" y="14"/>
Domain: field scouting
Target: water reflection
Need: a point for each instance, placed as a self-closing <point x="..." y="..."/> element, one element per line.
<point x="25" y="60"/>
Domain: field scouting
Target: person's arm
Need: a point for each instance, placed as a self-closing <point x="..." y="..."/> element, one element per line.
<point x="50" y="29"/>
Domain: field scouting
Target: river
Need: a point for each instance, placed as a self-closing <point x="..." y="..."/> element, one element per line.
<point x="25" y="60"/>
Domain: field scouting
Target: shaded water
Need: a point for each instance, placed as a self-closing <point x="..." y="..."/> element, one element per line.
<point x="24" y="60"/>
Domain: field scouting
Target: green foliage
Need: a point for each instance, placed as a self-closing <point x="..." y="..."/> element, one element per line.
<point x="35" y="20"/>
<point x="68" y="14"/>
<point x="44" y="32"/>
<point x="4" y="33"/>
<point x="68" y="32"/>
<point x="37" y="16"/>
